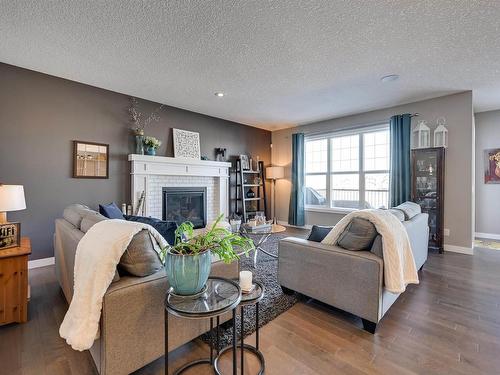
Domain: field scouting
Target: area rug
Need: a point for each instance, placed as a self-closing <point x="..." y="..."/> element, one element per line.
<point x="274" y="303"/>
<point x="487" y="244"/>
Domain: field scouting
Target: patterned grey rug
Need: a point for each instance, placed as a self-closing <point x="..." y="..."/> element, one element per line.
<point x="274" y="303"/>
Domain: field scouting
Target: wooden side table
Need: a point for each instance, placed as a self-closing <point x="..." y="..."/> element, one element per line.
<point x="14" y="283"/>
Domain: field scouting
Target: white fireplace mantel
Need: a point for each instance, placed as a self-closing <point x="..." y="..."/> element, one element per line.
<point x="149" y="172"/>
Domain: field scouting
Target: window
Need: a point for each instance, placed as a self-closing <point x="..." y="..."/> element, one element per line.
<point x="348" y="169"/>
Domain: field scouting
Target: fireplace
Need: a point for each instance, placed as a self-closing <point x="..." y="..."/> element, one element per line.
<point x="185" y="204"/>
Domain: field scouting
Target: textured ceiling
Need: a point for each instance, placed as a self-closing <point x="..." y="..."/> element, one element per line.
<point x="280" y="63"/>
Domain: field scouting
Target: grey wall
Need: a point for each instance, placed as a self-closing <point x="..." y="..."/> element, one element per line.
<point x="487" y="195"/>
<point x="39" y="117"/>
<point x="459" y="159"/>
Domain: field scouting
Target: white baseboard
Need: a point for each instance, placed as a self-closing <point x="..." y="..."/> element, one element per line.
<point x="284" y="223"/>
<point x="37" y="263"/>
<point x="459" y="249"/>
<point x="490" y="236"/>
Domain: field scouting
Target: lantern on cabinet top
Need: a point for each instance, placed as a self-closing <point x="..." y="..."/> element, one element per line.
<point x="421" y="135"/>
<point x="441" y="133"/>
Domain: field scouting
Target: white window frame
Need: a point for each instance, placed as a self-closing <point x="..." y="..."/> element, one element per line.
<point x="328" y="136"/>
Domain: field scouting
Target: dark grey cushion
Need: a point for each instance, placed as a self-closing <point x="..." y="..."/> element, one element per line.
<point x="358" y="235"/>
<point x="165" y="228"/>
<point x="377" y="248"/>
<point x="318" y="233"/>
<point x="141" y="259"/>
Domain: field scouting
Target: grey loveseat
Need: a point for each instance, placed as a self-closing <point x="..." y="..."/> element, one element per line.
<point x="131" y="330"/>
<point x="349" y="280"/>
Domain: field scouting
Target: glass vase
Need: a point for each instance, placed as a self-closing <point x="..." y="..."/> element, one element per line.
<point x="139" y="144"/>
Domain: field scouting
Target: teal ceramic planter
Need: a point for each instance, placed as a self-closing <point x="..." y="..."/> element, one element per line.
<point x="150" y="151"/>
<point x="188" y="274"/>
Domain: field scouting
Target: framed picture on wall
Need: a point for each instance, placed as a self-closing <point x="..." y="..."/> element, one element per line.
<point x="492" y="166"/>
<point x="186" y="144"/>
<point x="90" y="160"/>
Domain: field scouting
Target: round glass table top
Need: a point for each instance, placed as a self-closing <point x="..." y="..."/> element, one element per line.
<point x="220" y="295"/>
<point x="274" y="228"/>
<point x="254" y="296"/>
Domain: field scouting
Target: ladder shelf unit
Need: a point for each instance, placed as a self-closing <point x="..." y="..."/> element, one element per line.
<point x="247" y="180"/>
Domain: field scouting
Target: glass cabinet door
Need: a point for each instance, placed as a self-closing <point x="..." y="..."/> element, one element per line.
<point x="426" y="190"/>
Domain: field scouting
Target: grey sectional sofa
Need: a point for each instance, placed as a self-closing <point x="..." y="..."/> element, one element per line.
<point x="132" y="320"/>
<point x="349" y="280"/>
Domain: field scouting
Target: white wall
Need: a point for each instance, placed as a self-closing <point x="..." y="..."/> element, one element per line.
<point x="457" y="109"/>
<point x="487" y="195"/>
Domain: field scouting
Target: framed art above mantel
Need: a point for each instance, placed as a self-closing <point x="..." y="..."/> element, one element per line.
<point x="186" y="144"/>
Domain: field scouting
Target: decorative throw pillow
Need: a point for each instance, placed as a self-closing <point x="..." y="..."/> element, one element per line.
<point x="141" y="259"/>
<point x="358" y="235"/>
<point x="410" y="209"/>
<point x="74" y="213"/>
<point x="165" y="228"/>
<point x="318" y="233"/>
<point x="377" y="248"/>
<point x="90" y="219"/>
<point x="398" y="213"/>
<point x="111" y="211"/>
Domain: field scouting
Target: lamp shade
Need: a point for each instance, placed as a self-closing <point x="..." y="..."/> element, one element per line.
<point x="12" y="198"/>
<point x="275" y="173"/>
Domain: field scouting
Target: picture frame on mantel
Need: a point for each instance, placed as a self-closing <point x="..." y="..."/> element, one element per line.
<point x="186" y="144"/>
<point x="90" y="160"/>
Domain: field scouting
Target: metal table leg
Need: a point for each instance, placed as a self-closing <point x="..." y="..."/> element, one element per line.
<point x="234" y="342"/>
<point x="218" y="345"/>
<point x="211" y="341"/>
<point x="257" y="326"/>
<point x="166" y="342"/>
<point x="242" y="344"/>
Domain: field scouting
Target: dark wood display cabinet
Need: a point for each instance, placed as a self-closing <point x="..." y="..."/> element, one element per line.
<point x="428" y="190"/>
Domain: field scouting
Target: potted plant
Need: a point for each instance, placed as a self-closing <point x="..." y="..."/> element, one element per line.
<point x="152" y="144"/>
<point x="189" y="260"/>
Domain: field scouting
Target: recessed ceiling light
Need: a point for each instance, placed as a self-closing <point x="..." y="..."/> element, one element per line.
<point x="219" y="94"/>
<point x="390" y="78"/>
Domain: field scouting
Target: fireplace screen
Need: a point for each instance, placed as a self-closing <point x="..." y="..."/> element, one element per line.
<point x="185" y="204"/>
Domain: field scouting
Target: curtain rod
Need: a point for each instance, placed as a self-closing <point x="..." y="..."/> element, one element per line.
<point x="349" y="127"/>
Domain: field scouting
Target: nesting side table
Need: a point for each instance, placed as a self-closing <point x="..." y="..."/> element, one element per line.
<point x="220" y="296"/>
<point x="252" y="298"/>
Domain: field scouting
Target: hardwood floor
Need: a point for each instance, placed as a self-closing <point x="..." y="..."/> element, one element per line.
<point x="449" y="324"/>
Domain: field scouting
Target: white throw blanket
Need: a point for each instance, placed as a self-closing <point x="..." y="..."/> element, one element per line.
<point x="399" y="264"/>
<point x="97" y="255"/>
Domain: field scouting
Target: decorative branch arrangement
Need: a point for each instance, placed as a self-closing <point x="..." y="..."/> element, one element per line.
<point x="136" y="116"/>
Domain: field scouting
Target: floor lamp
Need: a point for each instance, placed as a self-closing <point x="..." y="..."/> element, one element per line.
<point x="274" y="173"/>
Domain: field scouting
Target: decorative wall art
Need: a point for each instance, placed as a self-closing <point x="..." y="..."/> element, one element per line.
<point x="90" y="160"/>
<point x="186" y="144"/>
<point x="492" y="166"/>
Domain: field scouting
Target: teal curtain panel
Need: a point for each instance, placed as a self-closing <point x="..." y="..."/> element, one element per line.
<point x="400" y="173"/>
<point x="296" y="214"/>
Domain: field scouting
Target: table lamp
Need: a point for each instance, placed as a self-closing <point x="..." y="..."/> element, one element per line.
<point x="274" y="173"/>
<point x="11" y="199"/>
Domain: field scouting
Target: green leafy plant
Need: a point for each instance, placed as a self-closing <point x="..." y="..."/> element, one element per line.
<point x="152" y="142"/>
<point x="218" y="240"/>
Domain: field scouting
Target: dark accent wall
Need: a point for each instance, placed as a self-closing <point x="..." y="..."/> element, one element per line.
<point x="40" y="115"/>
